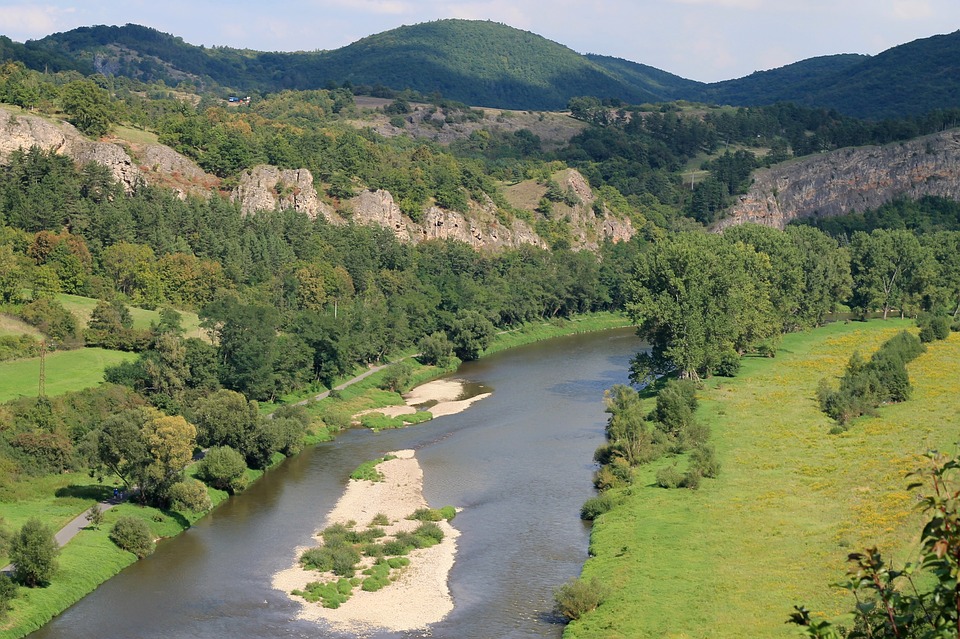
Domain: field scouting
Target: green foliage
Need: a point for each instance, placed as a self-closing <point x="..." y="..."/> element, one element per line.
<point x="95" y="516"/>
<point x="470" y="333"/>
<point x="435" y="349"/>
<point x="332" y="595"/>
<point x="397" y="376"/>
<point x="189" y="495"/>
<point x="52" y="319"/>
<point x="579" y="596"/>
<point x="87" y="106"/>
<point x="33" y="553"/>
<point x="134" y="535"/>
<point x="933" y="327"/>
<point x="866" y="385"/>
<point x="8" y="592"/>
<point x="917" y="600"/>
<point x="596" y="506"/>
<point x="368" y="470"/>
<point x="669" y="477"/>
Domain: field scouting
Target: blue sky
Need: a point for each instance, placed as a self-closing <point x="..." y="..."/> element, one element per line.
<point x="706" y="40"/>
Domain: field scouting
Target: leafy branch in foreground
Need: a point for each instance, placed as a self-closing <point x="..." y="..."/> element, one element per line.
<point x="894" y="602"/>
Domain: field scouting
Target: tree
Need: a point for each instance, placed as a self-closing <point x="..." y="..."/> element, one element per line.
<point x="435" y="349"/>
<point x="890" y="269"/>
<point x="134" y="535"/>
<point x="95" y="516"/>
<point x="223" y="467"/>
<point x="470" y="333"/>
<point x="87" y="106"/>
<point x="33" y="553"/>
<point x="170" y="441"/>
<point x="119" y="447"/>
<point x="694" y="297"/>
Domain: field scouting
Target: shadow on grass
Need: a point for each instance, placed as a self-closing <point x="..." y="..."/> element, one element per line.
<point x="98" y="493"/>
<point x="182" y="521"/>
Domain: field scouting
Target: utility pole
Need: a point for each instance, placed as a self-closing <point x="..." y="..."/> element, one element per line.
<point x="43" y="368"/>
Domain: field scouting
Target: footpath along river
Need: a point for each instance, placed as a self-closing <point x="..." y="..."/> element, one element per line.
<point x="518" y="463"/>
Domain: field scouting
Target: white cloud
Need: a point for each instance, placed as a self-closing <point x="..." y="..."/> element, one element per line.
<point x="726" y="4"/>
<point x="25" y="21"/>
<point x="378" y="7"/>
<point x="911" y="10"/>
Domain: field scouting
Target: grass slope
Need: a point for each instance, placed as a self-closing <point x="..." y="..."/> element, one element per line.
<point x="731" y="559"/>
<point x="82" y="309"/>
<point x="66" y="371"/>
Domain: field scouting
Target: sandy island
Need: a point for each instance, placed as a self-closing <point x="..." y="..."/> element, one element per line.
<point x="420" y="596"/>
<point x="439" y="397"/>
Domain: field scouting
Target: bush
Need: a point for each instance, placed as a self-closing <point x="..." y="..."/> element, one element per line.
<point x="435" y="349"/>
<point x="134" y="535"/>
<point x="430" y="532"/>
<point x="596" y="506"/>
<point x="669" y="477"/>
<point x="579" y="596"/>
<point x="933" y="327"/>
<point x="33" y="553"/>
<point x="8" y="591"/>
<point x="729" y="364"/>
<point x="704" y="460"/>
<point x="189" y="495"/>
<point x="224" y="468"/>
<point x="676" y="403"/>
<point x="396" y="376"/>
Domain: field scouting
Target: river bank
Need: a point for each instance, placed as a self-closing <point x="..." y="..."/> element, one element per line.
<point x="680" y="559"/>
<point x="92" y="558"/>
<point x="420" y="595"/>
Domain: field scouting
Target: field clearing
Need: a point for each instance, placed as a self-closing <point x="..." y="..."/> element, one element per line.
<point x="791" y="501"/>
<point x="82" y="309"/>
<point x="10" y="325"/>
<point x="65" y="370"/>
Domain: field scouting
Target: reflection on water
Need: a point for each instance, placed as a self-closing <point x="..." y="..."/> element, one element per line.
<point x="518" y="463"/>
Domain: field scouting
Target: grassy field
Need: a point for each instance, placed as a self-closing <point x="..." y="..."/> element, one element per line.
<point x="10" y="325"/>
<point x="65" y="370"/>
<point x="82" y="308"/>
<point x="774" y="529"/>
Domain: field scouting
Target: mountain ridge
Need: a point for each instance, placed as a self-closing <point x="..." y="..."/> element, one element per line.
<point x="491" y="64"/>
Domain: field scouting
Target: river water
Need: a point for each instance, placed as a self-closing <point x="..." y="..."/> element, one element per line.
<point x="518" y="463"/>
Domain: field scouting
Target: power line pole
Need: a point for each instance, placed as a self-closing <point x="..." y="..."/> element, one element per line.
<point x="43" y="368"/>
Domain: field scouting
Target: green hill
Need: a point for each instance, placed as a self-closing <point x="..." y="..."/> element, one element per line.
<point x="490" y="64"/>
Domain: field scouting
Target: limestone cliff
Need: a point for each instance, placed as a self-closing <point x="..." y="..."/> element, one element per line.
<point x="20" y="131"/>
<point x="852" y="179"/>
<point x="266" y="187"/>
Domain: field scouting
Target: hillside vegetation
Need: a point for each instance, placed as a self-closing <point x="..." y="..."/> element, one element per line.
<point x="491" y="64"/>
<point x="791" y="501"/>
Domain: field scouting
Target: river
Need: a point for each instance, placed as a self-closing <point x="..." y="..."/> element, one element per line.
<point x="518" y="463"/>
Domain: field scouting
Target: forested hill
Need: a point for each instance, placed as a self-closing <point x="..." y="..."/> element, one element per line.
<point x="908" y="79"/>
<point x="490" y="64"/>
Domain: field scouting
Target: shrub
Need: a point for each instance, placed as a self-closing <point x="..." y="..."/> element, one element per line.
<point x="224" y="468"/>
<point x="340" y="559"/>
<point x="596" y="506"/>
<point x="933" y="327"/>
<point x="332" y="595"/>
<point x="434" y="514"/>
<point x="134" y="535"/>
<point x="729" y="364"/>
<point x="435" y="349"/>
<point x="669" y="477"/>
<point x="430" y="532"/>
<point x="676" y="403"/>
<point x="8" y="591"/>
<point x="704" y="460"/>
<point x="191" y="495"/>
<point x="691" y="479"/>
<point x="33" y="553"/>
<point x="380" y="519"/>
<point x="579" y="596"/>
<point x="396" y="376"/>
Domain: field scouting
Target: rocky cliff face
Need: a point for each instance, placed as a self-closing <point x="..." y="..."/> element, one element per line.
<point x="18" y="131"/>
<point x="266" y="187"/>
<point x="153" y="163"/>
<point x="849" y="180"/>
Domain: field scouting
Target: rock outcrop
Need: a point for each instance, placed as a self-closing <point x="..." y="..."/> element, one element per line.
<point x="265" y="188"/>
<point x="20" y="131"/>
<point x="852" y="179"/>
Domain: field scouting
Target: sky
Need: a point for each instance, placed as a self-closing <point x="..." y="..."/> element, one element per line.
<point x="705" y="40"/>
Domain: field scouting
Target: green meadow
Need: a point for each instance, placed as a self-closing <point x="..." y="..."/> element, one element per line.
<point x="65" y="371"/>
<point x="791" y="501"/>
